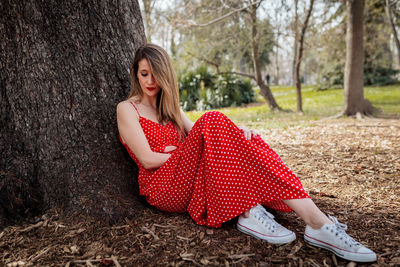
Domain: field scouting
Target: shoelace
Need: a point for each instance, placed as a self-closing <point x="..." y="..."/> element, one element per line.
<point x="265" y="217"/>
<point x="341" y="232"/>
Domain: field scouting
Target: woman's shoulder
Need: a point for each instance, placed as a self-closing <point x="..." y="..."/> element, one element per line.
<point x="128" y="103"/>
<point x="125" y="108"/>
<point x="123" y="103"/>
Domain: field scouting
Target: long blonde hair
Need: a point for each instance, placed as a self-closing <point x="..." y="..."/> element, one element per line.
<point x="168" y="98"/>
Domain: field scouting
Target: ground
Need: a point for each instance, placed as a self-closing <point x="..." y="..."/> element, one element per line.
<point x="349" y="167"/>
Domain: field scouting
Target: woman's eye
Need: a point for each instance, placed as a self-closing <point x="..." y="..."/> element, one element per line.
<point x="144" y="74"/>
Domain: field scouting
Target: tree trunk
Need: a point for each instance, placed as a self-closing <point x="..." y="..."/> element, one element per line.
<point x="147" y="7"/>
<point x="353" y="73"/>
<point x="296" y="40"/>
<point x="63" y="68"/>
<point x="300" y="57"/>
<point x="277" y="66"/>
<point x="264" y="88"/>
<point x="393" y="27"/>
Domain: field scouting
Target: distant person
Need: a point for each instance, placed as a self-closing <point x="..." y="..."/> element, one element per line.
<point x="267" y="78"/>
<point x="213" y="169"/>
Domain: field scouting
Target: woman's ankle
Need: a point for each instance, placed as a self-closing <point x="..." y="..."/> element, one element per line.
<point x="317" y="223"/>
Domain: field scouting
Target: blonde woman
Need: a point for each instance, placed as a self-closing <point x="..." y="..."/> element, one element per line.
<point x="213" y="169"/>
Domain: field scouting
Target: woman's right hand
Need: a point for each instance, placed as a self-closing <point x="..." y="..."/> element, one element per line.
<point x="169" y="149"/>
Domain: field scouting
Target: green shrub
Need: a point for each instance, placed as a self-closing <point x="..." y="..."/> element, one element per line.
<point x="202" y="90"/>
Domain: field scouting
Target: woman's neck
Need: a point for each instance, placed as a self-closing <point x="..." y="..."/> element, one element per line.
<point x="149" y="101"/>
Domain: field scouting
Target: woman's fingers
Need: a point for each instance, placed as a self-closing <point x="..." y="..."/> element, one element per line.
<point x="169" y="148"/>
<point x="254" y="132"/>
<point x="248" y="133"/>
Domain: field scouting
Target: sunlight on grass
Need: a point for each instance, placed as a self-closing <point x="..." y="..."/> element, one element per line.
<point x="316" y="105"/>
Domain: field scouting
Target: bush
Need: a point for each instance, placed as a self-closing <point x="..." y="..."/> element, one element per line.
<point x="379" y="75"/>
<point x="333" y="77"/>
<point x="202" y="90"/>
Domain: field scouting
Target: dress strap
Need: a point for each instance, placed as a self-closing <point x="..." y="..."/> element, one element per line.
<point x="135" y="108"/>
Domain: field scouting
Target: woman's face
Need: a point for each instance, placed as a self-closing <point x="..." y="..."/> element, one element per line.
<point x="146" y="79"/>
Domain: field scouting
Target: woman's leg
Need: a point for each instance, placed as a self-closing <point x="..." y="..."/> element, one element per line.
<point x="308" y="211"/>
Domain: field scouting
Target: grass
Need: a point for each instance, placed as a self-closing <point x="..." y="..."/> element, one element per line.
<point x="316" y="105"/>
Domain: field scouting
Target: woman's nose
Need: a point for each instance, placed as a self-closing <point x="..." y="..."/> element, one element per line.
<point x="151" y="79"/>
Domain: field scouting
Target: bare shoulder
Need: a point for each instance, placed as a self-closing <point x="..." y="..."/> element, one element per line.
<point x="126" y="110"/>
<point x="123" y="104"/>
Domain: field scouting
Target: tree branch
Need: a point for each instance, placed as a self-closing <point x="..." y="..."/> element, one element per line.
<point x="237" y="73"/>
<point x="222" y="72"/>
<point x="225" y="16"/>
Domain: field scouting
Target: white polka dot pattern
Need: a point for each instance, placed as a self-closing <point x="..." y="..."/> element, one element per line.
<point x="216" y="173"/>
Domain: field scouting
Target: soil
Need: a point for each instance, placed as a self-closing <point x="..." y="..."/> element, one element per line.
<point x="349" y="167"/>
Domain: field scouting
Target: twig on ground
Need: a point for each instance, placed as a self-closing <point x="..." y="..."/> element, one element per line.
<point x="37" y="256"/>
<point x="121" y="226"/>
<point x="334" y="260"/>
<point x="164" y="226"/>
<point x="239" y="256"/>
<point x="33" y="226"/>
<point x="114" y="259"/>
<point x="150" y="232"/>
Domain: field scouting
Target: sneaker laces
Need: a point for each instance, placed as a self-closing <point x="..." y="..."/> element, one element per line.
<point x="266" y="218"/>
<point x="341" y="232"/>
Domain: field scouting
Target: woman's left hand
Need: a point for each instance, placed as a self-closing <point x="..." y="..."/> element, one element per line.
<point x="247" y="133"/>
<point x="169" y="149"/>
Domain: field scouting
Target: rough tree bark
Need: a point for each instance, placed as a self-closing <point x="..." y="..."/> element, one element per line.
<point x="299" y="57"/>
<point x="63" y="68"/>
<point x="264" y="88"/>
<point x="355" y="103"/>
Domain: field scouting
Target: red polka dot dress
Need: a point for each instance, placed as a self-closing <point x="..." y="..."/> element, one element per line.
<point x="216" y="173"/>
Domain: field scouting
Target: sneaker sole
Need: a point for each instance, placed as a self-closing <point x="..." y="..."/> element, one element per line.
<point x="346" y="256"/>
<point x="245" y="230"/>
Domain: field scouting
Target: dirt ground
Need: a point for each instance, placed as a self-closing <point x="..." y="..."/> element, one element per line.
<point x="349" y="167"/>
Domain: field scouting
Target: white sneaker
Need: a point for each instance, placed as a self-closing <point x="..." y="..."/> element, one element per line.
<point x="261" y="224"/>
<point x="334" y="238"/>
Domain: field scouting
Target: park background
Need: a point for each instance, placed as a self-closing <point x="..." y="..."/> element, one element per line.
<point x="64" y="68"/>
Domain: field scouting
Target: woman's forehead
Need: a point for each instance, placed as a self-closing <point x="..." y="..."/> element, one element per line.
<point x="144" y="64"/>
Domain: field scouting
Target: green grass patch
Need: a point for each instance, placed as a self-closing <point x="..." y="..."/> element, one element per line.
<point x="316" y="105"/>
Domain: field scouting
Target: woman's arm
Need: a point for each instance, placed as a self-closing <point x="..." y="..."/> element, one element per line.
<point x="132" y="134"/>
<point x="187" y="123"/>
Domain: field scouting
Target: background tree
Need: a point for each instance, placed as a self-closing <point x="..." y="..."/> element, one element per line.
<point x="264" y="88"/>
<point x="296" y="39"/>
<point x="299" y="54"/>
<point x="233" y="40"/>
<point x="331" y="46"/>
<point x="63" y="68"/>
<point x="148" y="7"/>
<point x="355" y="103"/>
<point x="393" y="13"/>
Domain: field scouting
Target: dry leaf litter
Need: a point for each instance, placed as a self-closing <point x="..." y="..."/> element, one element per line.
<point x="349" y="167"/>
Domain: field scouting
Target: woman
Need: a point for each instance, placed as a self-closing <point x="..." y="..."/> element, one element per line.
<point x="213" y="169"/>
